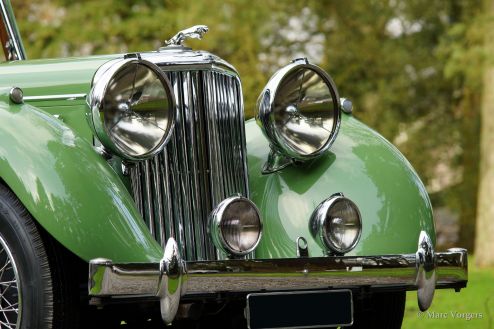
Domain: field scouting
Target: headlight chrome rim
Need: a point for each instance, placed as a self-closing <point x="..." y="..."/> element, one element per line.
<point x="265" y="113"/>
<point x="95" y="98"/>
<point x="215" y="230"/>
<point x="318" y="225"/>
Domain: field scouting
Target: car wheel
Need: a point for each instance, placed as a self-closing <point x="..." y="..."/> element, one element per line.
<point x="33" y="294"/>
<point x="380" y="310"/>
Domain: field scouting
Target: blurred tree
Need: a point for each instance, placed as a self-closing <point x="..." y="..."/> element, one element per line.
<point x="461" y="50"/>
<point x="412" y="69"/>
<point x="485" y="223"/>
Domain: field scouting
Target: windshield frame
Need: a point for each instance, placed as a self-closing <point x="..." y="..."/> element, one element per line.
<point x="12" y="46"/>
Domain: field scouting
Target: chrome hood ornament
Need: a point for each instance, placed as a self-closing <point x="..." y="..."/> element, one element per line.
<point x="194" y="32"/>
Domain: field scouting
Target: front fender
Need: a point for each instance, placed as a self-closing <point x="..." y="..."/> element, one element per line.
<point x="68" y="188"/>
<point x="362" y="165"/>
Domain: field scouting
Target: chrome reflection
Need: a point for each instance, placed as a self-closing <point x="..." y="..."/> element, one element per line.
<point x="336" y="224"/>
<point x="133" y="109"/>
<point x="299" y="112"/>
<point x="304" y="111"/>
<point x="426" y="271"/>
<point x="235" y="226"/>
<point x="203" y="163"/>
<point x="172" y="278"/>
<point x="170" y="284"/>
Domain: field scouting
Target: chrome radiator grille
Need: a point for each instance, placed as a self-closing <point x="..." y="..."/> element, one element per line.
<point x="204" y="162"/>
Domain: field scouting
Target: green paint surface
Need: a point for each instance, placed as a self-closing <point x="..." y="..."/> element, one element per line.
<point x="52" y="76"/>
<point x="363" y="166"/>
<point x="69" y="188"/>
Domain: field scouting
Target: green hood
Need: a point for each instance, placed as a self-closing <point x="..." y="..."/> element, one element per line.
<point x="52" y="76"/>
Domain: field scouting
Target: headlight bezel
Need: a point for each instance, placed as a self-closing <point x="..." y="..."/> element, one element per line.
<point x="101" y="81"/>
<point x="215" y="229"/>
<point x="318" y="227"/>
<point x="265" y="110"/>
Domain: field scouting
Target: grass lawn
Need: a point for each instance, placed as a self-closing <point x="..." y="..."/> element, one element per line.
<point x="476" y="301"/>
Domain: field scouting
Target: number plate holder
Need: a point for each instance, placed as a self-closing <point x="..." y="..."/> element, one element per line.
<point x="300" y="309"/>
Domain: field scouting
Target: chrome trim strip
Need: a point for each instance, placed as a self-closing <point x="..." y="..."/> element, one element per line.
<point x="8" y="18"/>
<point x="183" y="59"/>
<point x="68" y="97"/>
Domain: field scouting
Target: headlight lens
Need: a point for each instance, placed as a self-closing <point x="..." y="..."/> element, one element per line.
<point x="336" y="224"/>
<point x="236" y="226"/>
<point x="132" y="109"/>
<point x="299" y="111"/>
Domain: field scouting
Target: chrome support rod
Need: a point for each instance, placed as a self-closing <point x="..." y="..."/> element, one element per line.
<point x="14" y="43"/>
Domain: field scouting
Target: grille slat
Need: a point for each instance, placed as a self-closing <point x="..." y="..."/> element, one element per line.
<point x="203" y="163"/>
<point x="157" y="188"/>
<point x="148" y="193"/>
<point x="168" y="204"/>
<point x="215" y="154"/>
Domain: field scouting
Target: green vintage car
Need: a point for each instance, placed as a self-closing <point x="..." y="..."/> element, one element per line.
<point x="133" y="193"/>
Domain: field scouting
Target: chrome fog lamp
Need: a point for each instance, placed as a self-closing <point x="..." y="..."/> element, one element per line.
<point x="132" y="109"/>
<point x="299" y="111"/>
<point x="336" y="224"/>
<point x="235" y="226"/>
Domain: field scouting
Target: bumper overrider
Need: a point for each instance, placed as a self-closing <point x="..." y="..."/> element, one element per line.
<point x="173" y="278"/>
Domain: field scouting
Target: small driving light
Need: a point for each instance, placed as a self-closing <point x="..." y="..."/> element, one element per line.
<point x="336" y="224"/>
<point x="235" y="226"/>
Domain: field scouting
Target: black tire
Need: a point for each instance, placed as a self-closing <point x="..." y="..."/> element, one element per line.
<point x="46" y="296"/>
<point x="380" y="310"/>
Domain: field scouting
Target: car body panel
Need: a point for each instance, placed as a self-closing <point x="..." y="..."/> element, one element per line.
<point x="60" y="76"/>
<point x="363" y="166"/>
<point x="58" y="86"/>
<point x="69" y="188"/>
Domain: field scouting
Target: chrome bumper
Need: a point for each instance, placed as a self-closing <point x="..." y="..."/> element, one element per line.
<point x="174" y="278"/>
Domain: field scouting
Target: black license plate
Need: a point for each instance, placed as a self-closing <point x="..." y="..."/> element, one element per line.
<point x="301" y="309"/>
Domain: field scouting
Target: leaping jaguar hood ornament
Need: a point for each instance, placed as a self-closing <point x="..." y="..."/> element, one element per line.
<point x="194" y="32"/>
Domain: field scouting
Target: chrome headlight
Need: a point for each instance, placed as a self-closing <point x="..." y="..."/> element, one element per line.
<point x="298" y="111"/>
<point x="235" y="226"/>
<point x="132" y="109"/>
<point x="336" y="224"/>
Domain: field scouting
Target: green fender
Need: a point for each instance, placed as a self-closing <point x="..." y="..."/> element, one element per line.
<point x="361" y="164"/>
<point x="69" y="188"/>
